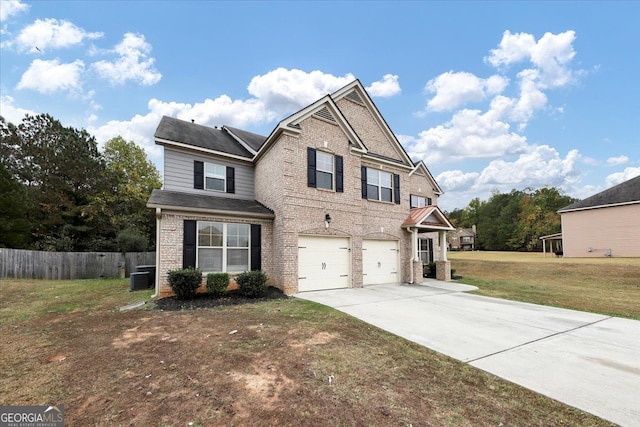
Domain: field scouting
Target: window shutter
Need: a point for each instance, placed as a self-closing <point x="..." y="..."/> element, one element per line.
<point x="311" y="167"/>
<point x="231" y="179"/>
<point x="363" y="179"/>
<point x="396" y="188"/>
<point x="339" y="175"/>
<point x="198" y="175"/>
<point x="189" y="244"/>
<point x="256" y="245"/>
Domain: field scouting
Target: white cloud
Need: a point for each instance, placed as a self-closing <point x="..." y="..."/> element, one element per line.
<point x="541" y="165"/>
<point x="9" y="8"/>
<point x="620" y="177"/>
<point x="513" y="48"/>
<point x="385" y="88"/>
<point x="132" y="64"/>
<point x="469" y="134"/>
<point x="616" y="161"/>
<point x="455" y="89"/>
<point x="456" y="180"/>
<point x="52" y="76"/>
<point x="11" y="113"/>
<point x="51" y="33"/>
<point x="286" y="90"/>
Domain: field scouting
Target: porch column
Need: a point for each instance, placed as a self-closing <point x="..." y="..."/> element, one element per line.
<point x="443" y="267"/>
<point x="416" y="268"/>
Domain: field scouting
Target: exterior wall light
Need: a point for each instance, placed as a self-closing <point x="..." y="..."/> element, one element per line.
<point x="327" y="220"/>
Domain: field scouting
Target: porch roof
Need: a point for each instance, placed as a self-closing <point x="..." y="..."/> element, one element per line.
<point x="428" y="218"/>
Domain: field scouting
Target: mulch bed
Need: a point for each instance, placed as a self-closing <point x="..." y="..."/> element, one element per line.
<point x="206" y="300"/>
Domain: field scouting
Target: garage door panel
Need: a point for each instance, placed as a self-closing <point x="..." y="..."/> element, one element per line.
<point x="323" y="263"/>
<point x="380" y="259"/>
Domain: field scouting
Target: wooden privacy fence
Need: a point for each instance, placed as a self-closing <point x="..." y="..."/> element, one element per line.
<point x="21" y="264"/>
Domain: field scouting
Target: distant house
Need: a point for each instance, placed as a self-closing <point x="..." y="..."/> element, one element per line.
<point x="605" y="224"/>
<point x="462" y="239"/>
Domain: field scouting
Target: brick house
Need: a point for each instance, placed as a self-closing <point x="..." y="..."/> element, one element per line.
<point x="330" y="199"/>
<point x="462" y="239"/>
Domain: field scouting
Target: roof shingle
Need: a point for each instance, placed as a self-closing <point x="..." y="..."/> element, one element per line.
<point x="626" y="192"/>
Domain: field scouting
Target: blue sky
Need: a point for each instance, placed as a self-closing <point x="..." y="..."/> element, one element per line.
<point x="491" y="95"/>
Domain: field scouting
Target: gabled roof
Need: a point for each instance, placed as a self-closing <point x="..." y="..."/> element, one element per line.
<point x="178" y="132"/>
<point x="428" y="218"/>
<point x="420" y="166"/>
<point x="191" y="202"/>
<point x="291" y="125"/>
<point x="346" y="92"/>
<point x="253" y="140"/>
<point x="625" y="193"/>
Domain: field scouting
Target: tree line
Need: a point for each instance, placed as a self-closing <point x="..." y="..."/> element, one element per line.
<point x="513" y="221"/>
<point x="58" y="192"/>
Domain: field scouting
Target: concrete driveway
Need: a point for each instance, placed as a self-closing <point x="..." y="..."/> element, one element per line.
<point x="589" y="361"/>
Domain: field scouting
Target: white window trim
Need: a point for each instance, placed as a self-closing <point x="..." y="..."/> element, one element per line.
<point x="379" y="185"/>
<point x="224" y="246"/>
<point x="421" y="201"/>
<point x="332" y="171"/>
<point x="223" y="177"/>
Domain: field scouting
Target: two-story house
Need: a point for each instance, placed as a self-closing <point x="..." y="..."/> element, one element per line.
<point x="462" y="239"/>
<point x="330" y="199"/>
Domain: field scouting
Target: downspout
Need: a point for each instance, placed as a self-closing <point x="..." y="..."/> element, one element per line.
<point x="157" y="284"/>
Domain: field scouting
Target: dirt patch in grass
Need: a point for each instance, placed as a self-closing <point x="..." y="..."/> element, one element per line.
<point x="271" y="362"/>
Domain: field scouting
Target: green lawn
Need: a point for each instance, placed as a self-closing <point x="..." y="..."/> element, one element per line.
<point x="600" y="285"/>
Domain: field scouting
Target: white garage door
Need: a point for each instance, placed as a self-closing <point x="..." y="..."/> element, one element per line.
<point x="380" y="259"/>
<point x="323" y="263"/>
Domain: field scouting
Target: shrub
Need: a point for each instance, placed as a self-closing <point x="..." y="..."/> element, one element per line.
<point x="217" y="283"/>
<point x="252" y="284"/>
<point x="185" y="282"/>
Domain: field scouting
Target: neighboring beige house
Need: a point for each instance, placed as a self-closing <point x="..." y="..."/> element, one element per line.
<point x="330" y="199"/>
<point x="462" y="239"/>
<point x="605" y="224"/>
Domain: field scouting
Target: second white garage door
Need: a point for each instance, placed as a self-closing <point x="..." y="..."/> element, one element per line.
<point x="323" y="263"/>
<point x="380" y="260"/>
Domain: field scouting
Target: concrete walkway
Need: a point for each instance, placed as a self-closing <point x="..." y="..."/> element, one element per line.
<point x="589" y="361"/>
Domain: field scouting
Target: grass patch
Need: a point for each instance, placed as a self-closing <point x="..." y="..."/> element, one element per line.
<point x="273" y="362"/>
<point x="609" y="286"/>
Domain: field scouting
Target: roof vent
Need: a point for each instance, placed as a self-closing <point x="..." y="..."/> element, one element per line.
<point x="193" y="121"/>
<point x="325" y="114"/>
<point x="353" y="96"/>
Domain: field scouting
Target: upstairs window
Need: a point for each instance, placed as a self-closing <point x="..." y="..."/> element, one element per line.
<point x="324" y="170"/>
<point x="380" y="185"/>
<point x="420" y="202"/>
<point x="214" y="177"/>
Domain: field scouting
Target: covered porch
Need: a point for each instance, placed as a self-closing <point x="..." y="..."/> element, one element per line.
<point x="428" y="219"/>
<point x="555" y="244"/>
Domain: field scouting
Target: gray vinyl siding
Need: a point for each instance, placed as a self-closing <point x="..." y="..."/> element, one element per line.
<point x="178" y="174"/>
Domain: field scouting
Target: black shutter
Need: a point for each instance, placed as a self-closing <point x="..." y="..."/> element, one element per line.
<point x="311" y="167"/>
<point x="396" y="188"/>
<point x="339" y="175"/>
<point x="430" y="257"/>
<point x="189" y="244"/>
<point x="231" y="180"/>
<point x="198" y="175"/>
<point x="256" y="245"/>
<point x="363" y="179"/>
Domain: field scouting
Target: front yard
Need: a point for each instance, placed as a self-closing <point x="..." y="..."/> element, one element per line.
<point x="608" y="286"/>
<point x="277" y="362"/>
